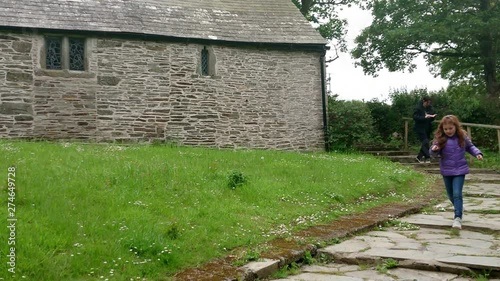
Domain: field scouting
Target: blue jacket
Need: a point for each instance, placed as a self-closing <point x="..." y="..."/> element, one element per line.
<point x="453" y="161"/>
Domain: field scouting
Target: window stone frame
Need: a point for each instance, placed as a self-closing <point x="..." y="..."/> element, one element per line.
<point x="65" y="71"/>
<point x="212" y="61"/>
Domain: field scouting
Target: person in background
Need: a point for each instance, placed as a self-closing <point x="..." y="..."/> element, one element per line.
<point x="423" y="115"/>
<point x="451" y="142"/>
<point x="430" y="110"/>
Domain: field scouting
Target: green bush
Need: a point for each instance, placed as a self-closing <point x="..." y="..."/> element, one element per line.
<point x="386" y="121"/>
<point x="349" y="123"/>
<point x="462" y="101"/>
<point x="353" y="123"/>
<point x="236" y="179"/>
<point x="471" y="105"/>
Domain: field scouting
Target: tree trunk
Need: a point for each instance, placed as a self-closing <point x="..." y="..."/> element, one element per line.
<point x="488" y="51"/>
<point x="489" y="66"/>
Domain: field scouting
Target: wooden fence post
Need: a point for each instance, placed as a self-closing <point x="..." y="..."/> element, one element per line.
<point x="469" y="133"/>
<point x="498" y="135"/>
<point x="406" y="135"/>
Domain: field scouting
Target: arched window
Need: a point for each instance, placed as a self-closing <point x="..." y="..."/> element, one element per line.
<point x="204" y="62"/>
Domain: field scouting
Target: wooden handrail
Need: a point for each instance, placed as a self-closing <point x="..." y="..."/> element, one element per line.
<point x="467" y="126"/>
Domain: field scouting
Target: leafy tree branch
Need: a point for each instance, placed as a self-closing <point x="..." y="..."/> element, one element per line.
<point x="459" y="38"/>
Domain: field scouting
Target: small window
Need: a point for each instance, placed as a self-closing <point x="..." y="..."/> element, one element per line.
<point x="76" y="54"/>
<point x="65" y="53"/>
<point x="53" y="53"/>
<point x="204" y="62"/>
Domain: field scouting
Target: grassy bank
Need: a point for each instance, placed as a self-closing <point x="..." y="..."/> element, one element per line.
<point x="491" y="160"/>
<point x="97" y="212"/>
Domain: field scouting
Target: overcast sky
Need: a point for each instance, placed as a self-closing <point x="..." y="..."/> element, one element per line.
<point x="350" y="83"/>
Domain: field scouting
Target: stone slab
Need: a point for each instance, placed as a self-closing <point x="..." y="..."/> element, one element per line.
<point x="319" y="277"/>
<point x="322" y="273"/>
<point x="477" y="204"/>
<point x="474" y="261"/>
<point x="401" y="254"/>
<point x="485" y="222"/>
<point x="482" y="189"/>
<point x="421" y="275"/>
<point x="483" y="177"/>
<point x="442" y="250"/>
<point x="262" y="268"/>
<point x="349" y="246"/>
<point x="334" y="268"/>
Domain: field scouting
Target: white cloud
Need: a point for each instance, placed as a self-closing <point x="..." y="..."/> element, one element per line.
<point x="350" y="83"/>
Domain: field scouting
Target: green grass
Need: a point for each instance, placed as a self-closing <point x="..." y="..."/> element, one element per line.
<point x="104" y="211"/>
<point x="491" y="160"/>
<point x="386" y="265"/>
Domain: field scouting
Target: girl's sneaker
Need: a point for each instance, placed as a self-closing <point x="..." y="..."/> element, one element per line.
<point x="457" y="223"/>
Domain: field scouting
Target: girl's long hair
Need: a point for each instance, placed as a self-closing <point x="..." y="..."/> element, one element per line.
<point x="440" y="137"/>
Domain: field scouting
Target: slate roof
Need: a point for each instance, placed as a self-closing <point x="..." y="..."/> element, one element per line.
<point x="258" y="21"/>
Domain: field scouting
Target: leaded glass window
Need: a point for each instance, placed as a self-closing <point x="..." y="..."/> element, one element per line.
<point x="204" y="61"/>
<point x="54" y="53"/>
<point x="76" y="54"/>
<point x="65" y="53"/>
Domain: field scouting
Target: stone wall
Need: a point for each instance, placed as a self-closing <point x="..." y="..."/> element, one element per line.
<point x="145" y="90"/>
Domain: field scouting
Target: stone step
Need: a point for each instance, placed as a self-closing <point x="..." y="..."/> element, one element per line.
<point x="365" y="148"/>
<point x="389" y="152"/>
<point x="423" y="166"/>
<point x="407" y="159"/>
<point x="433" y="168"/>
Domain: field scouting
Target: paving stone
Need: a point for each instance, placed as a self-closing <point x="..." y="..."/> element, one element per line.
<point x="432" y="221"/>
<point x="380" y="241"/>
<point x="370" y="275"/>
<point x="466" y="242"/>
<point x="319" y="277"/>
<point x="445" y="219"/>
<point x="489" y="222"/>
<point x="482" y="177"/>
<point x="348" y="246"/>
<point x="263" y="267"/>
<point x="477" y="235"/>
<point x="407" y="246"/>
<point x="401" y="254"/>
<point x="489" y="186"/>
<point x="446" y="250"/>
<point x="480" y="205"/>
<point x="475" y="261"/>
<point x="330" y="268"/>
<point x="432" y="233"/>
<point x="421" y="275"/>
<point x="392" y="235"/>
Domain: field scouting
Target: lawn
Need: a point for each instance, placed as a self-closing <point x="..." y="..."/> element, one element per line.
<point x="145" y="212"/>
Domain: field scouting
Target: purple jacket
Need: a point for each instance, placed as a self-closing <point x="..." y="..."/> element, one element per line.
<point x="453" y="161"/>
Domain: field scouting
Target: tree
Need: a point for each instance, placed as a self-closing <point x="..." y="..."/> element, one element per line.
<point x="324" y="14"/>
<point x="460" y="39"/>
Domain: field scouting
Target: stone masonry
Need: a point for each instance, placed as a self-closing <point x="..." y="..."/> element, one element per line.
<point x="136" y="90"/>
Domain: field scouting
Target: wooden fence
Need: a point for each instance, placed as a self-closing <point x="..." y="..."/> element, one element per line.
<point x="467" y="126"/>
